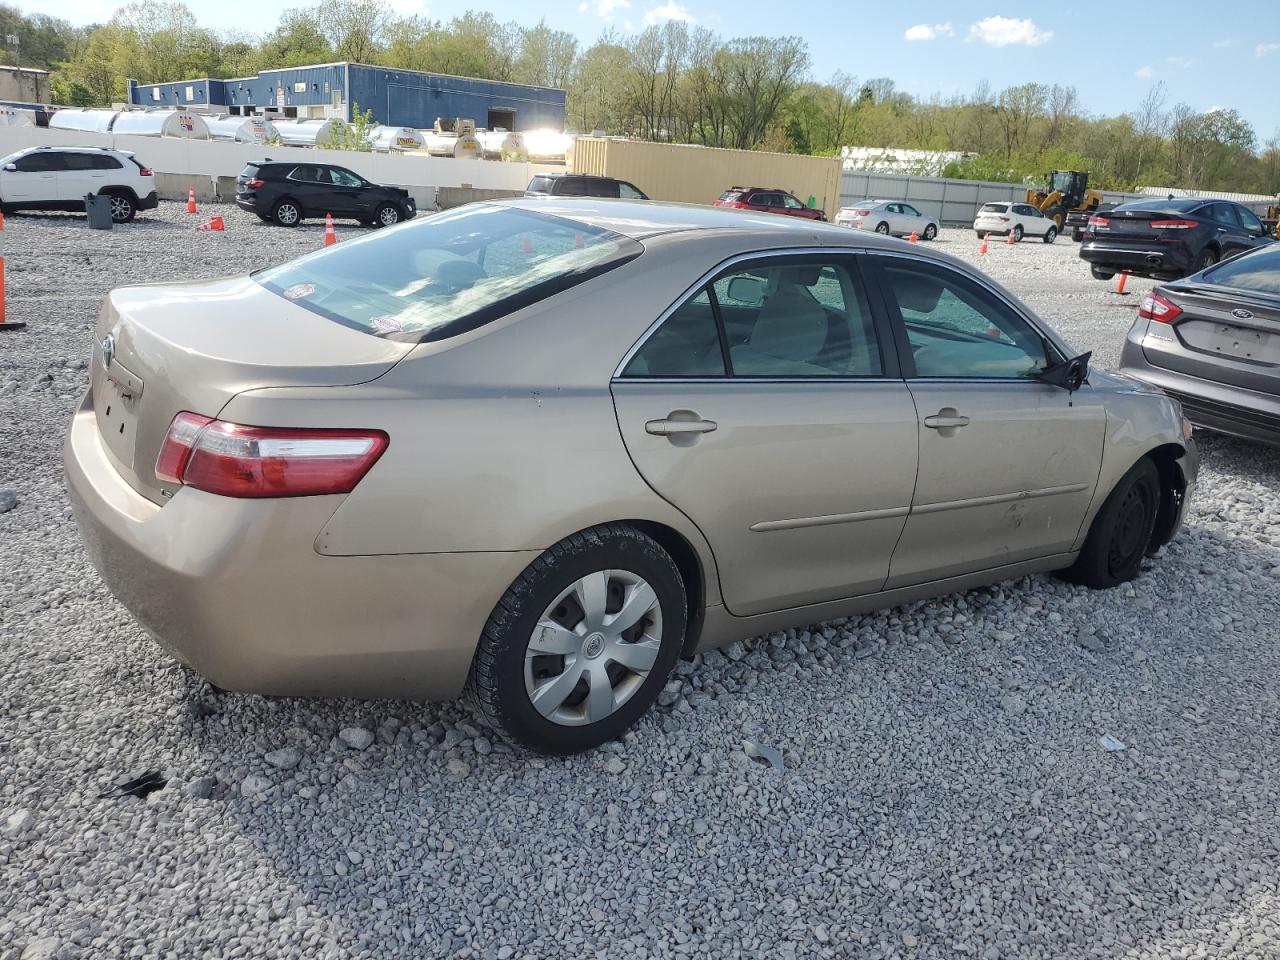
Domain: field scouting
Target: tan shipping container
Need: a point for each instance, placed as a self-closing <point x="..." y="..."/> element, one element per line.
<point x="689" y="174"/>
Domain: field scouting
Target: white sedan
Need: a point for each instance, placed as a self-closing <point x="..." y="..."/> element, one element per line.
<point x="1019" y="219"/>
<point x="890" y="217"/>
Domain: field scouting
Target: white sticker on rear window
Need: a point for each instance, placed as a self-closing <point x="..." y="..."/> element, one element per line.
<point x="299" y="290"/>
<point x="386" y="325"/>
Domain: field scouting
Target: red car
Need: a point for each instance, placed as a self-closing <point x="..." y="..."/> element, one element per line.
<point x="767" y="200"/>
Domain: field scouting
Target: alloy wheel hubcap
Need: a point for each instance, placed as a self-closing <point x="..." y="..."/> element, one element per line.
<point x="593" y="647"/>
<point x="389" y="217"/>
<point x="288" y="214"/>
<point x="119" y="207"/>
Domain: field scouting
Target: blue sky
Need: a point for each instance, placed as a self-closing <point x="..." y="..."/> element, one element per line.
<point x="1209" y="55"/>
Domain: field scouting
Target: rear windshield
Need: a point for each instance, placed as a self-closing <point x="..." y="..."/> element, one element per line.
<point x="729" y="196"/>
<point x="1161" y="206"/>
<point x="1257" y="271"/>
<point x="994" y="208"/>
<point x="249" y="172"/>
<point x="540" y="185"/>
<point x="453" y="272"/>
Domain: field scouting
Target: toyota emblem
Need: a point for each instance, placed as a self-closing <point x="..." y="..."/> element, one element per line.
<point x="108" y="351"/>
<point x="1240" y="313"/>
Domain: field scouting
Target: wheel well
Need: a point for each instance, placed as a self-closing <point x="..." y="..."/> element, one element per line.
<point x="119" y="191"/>
<point x="1173" y="489"/>
<point x="690" y="567"/>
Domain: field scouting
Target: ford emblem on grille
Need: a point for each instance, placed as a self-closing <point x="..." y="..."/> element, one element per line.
<point x="108" y="351"/>
<point x="1242" y="314"/>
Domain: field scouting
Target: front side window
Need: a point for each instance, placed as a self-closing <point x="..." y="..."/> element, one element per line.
<point x="37" y="163"/>
<point x="1250" y="221"/>
<point x="959" y="329"/>
<point x="791" y="203"/>
<point x="910" y="210"/>
<point x="309" y="174"/>
<point x="448" y="274"/>
<point x="345" y="178"/>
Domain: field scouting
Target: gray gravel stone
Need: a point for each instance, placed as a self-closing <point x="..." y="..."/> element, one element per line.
<point x="286" y="758"/>
<point x="8" y="500"/>
<point x="19" y="822"/>
<point x="201" y="788"/>
<point x="357" y="738"/>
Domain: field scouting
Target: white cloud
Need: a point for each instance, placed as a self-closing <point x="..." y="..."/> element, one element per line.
<point x="1223" y="43"/>
<point x="1266" y="49"/>
<point x="1143" y="72"/>
<point x="928" y="31"/>
<point x="604" y="8"/>
<point x="668" y="11"/>
<point x="1005" y="32"/>
<point x="1180" y="62"/>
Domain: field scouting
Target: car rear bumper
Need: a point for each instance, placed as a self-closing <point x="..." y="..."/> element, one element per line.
<point x="249" y="203"/>
<point x="236" y="590"/>
<point x="1219" y="407"/>
<point x="149" y="202"/>
<point x="1145" y="259"/>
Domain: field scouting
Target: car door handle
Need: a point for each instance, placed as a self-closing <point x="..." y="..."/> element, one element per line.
<point x="945" y="419"/>
<point x="673" y="428"/>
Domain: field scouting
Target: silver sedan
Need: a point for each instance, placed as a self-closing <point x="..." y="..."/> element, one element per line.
<point x="895" y="218"/>
<point x="540" y="451"/>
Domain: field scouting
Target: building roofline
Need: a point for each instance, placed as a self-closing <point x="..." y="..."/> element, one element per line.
<point x="6" y="66"/>
<point x="347" y="63"/>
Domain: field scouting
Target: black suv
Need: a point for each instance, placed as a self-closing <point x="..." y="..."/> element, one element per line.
<point x="288" y="192"/>
<point x="581" y="185"/>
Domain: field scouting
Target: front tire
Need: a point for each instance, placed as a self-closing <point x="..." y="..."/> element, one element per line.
<point x="1051" y="235"/>
<point x="387" y="215"/>
<point x="580" y="646"/>
<point x="1121" y="532"/>
<point x="930" y="232"/>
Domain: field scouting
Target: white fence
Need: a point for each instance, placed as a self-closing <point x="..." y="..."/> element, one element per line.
<point x="950" y="201"/>
<point x="213" y="160"/>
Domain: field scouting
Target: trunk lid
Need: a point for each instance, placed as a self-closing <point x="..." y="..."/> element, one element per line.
<point x="1122" y="224"/>
<point x="163" y="348"/>
<point x="1229" y="336"/>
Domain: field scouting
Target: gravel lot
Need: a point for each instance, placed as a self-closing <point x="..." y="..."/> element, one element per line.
<point x="944" y="794"/>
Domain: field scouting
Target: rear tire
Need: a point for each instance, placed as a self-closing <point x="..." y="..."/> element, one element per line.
<point x="1206" y="260"/>
<point x="549" y="639"/>
<point x="1121" y="532"/>
<point x="1051" y="235"/>
<point x="930" y="232"/>
<point x="1099" y="273"/>
<point x="123" y="209"/>
<point x="882" y="229"/>
<point x="1077" y="235"/>
<point x="1017" y="233"/>
<point x="287" y="214"/>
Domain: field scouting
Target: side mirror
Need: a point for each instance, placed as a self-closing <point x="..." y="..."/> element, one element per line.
<point x="748" y="290"/>
<point x="1069" y="374"/>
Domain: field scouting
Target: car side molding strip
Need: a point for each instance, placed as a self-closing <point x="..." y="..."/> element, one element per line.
<point x="999" y="498"/>
<point x="764" y="526"/>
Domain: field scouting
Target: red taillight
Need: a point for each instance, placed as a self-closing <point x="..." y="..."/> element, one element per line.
<point x="1099" y="221"/>
<point x="232" y="460"/>
<point x="255" y="184"/>
<point x="1156" y="307"/>
<point x="1173" y="224"/>
<point x="862" y="213"/>
<point x="176" y="450"/>
<point x="740" y="205"/>
<point x="145" y="172"/>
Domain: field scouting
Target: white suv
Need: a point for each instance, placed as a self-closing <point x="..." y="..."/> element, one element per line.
<point x="1017" y="219"/>
<point x="57" y="178"/>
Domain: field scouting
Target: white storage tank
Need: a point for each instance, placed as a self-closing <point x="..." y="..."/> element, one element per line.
<point x="396" y="139"/>
<point x="242" y="129"/>
<point x="307" y="133"/>
<point x="88" y="119"/>
<point x="548" y="145"/>
<point x="160" y="123"/>
<point x="460" y="146"/>
<point x="502" y="145"/>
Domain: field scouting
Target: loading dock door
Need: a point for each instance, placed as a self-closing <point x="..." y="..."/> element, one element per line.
<point x="501" y="118"/>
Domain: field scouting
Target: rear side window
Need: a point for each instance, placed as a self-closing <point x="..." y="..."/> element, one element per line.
<point x="686" y="345"/>
<point x="77" y="161"/>
<point x="437" y="278"/>
<point x="540" y="185"/>
<point x="1224" y="213"/>
<point x="1257" y="271"/>
<point x="600" y="188"/>
<point x="104" y="161"/>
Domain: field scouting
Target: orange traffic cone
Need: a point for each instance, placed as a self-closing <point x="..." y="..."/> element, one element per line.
<point x="191" y="200"/>
<point x="986" y="244"/>
<point x="913" y="238"/>
<point x="1010" y="240"/>
<point x="215" y="224"/>
<point x="330" y="238"/>
<point x="5" y="324"/>
<point x="1120" y="282"/>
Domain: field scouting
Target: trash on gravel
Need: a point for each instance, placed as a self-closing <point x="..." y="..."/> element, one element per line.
<point x="1110" y="743"/>
<point x="761" y="753"/>
<point x="8" y="500"/>
<point x="149" y="782"/>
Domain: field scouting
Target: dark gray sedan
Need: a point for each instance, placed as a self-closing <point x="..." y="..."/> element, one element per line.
<point x="1213" y="341"/>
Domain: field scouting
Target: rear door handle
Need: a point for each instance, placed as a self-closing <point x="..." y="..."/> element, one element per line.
<point x="945" y="419"/>
<point x="672" y="428"/>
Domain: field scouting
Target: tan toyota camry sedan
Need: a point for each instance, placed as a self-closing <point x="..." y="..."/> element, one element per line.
<point x="540" y="450"/>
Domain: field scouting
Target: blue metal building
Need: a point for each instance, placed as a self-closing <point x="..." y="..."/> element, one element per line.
<point x="401" y="98"/>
